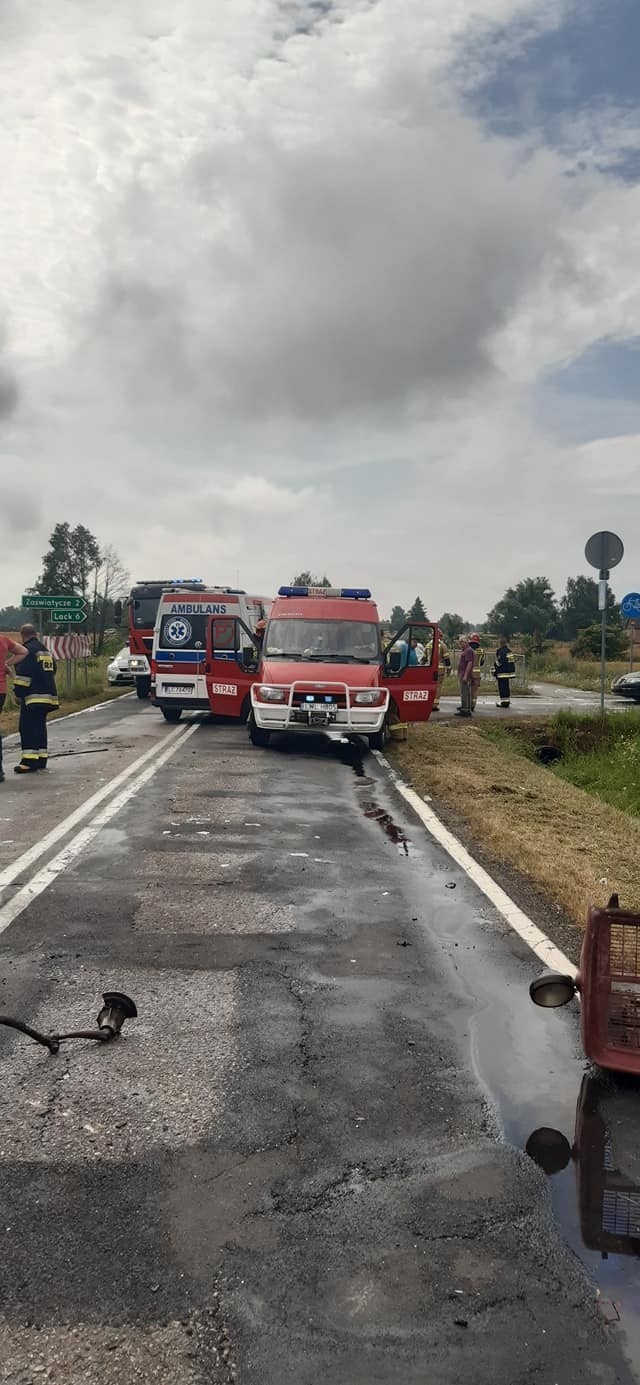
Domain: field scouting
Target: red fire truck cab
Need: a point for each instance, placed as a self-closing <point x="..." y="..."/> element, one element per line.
<point x="323" y="668"/>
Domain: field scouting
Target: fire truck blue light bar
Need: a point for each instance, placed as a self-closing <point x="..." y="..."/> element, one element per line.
<point x="353" y="593"/>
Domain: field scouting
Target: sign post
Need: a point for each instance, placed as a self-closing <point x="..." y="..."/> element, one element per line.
<point x="630" y="610"/>
<point x="604" y="550"/>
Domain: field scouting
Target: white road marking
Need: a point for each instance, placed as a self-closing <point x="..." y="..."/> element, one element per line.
<point x="64" y="858"/>
<point x="22" y="863"/>
<point x="521" y="924"/>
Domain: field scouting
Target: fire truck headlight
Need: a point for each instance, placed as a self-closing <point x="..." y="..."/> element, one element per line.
<point x="369" y="697"/>
<point x="552" y="989"/>
<point x="267" y="694"/>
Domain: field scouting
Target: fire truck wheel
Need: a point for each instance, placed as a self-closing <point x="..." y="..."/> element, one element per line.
<point x="172" y="713"/>
<point x="380" y="739"/>
<point x="143" y="687"/>
<point x="257" y="734"/>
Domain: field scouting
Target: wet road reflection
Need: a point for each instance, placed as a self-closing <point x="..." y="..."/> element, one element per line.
<point x="594" y="1172"/>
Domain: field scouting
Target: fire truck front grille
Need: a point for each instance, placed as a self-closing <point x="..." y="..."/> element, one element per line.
<point x="624" y="996"/>
<point x="621" y="1212"/>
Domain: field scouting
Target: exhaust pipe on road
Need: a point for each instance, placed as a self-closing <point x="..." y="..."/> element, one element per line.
<point x="117" y="1007"/>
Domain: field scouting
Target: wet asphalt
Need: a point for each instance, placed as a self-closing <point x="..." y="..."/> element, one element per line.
<point x="305" y="1161"/>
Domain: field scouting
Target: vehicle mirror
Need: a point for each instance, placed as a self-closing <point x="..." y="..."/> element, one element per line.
<point x="394" y="661"/>
<point x="117" y="613"/>
<point x="552" y="989"/>
<point x="249" y="658"/>
<point x="550" y="1150"/>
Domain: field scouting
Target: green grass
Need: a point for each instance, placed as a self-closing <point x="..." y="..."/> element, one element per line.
<point x="80" y="692"/>
<point x="600" y="756"/>
<point x="572" y="673"/>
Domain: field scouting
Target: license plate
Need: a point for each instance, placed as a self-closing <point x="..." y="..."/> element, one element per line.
<point x="178" y="688"/>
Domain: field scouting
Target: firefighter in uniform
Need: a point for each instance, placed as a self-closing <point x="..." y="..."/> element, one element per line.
<point x="478" y="665"/>
<point x="35" y="690"/>
<point x="444" y="667"/>
<point x="504" y="670"/>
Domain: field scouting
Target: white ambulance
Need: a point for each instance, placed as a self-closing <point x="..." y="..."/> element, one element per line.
<point x="205" y="650"/>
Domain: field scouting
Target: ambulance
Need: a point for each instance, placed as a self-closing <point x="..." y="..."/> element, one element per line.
<point x="323" y="668"/>
<point x="205" y="650"/>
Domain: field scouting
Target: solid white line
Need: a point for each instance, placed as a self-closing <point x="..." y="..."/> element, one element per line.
<point x="59" y="863"/>
<point x="19" y="866"/>
<point x="13" y="738"/>
<point x="521" y="924"/>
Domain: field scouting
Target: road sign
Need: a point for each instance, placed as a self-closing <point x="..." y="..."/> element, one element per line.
<point x="604" y="550"/>
<point x="70" y="617"/>
<point x="35" y="602"/>
<point x="630" y="606"/>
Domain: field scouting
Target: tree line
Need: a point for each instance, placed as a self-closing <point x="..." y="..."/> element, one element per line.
<point x="532" y="609"/>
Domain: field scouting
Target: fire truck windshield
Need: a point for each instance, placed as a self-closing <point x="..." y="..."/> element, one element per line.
<point x="343" y="641"/>
<point x="143" y="611"/>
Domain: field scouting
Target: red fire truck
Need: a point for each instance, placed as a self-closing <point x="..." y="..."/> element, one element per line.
<point x="205" y="650"/>
<point x="323" y="668"/>
<point x="142" y="608"/>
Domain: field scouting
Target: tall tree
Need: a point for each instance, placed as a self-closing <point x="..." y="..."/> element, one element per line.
<point x="453" y="625"/>
<point x="529" y="608"/>
<point x="69" y="562"/>
<point x="398" y="618"/>
<point x="417" y="611"/>
<point x="579" y="606"/>
<point x="309" y="579"/>
<point x="111" y="582"/>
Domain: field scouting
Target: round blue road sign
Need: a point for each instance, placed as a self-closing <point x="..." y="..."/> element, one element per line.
<point x="630" y="606"/>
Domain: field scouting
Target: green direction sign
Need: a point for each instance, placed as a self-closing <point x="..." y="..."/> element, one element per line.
<point x="36" y="602"/>
<point x="71" y="617"/>
<point x="53" y="603"/>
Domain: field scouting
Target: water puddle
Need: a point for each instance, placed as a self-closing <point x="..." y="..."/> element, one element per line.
<point x="374" y="812"/>
<point x="593" y="1167"/>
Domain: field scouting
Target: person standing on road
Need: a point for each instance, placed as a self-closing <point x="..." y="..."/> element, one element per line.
<point x="478" y="665"/>
<point x="35" y="690"/>
<point x="10" y="651"/>
<point x="504" y="670"/>
<point x="465" y="677"/>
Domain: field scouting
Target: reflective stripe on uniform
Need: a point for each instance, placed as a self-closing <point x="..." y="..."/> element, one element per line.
<point x="41" y="700"/>
<point x="22" y="682"/>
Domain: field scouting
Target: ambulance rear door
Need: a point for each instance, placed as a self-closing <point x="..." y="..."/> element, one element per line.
<point x="231" y="667"/>
<point x="412" y="686"/>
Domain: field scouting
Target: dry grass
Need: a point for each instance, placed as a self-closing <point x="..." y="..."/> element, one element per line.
<point x="575" y="847"/>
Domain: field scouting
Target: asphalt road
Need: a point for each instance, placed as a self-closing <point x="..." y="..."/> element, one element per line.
<point x="546" y="700"/>
<point x="304" y="1161"/>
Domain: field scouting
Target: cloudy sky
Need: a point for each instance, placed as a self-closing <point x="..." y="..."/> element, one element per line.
<point x="343" y="284"/>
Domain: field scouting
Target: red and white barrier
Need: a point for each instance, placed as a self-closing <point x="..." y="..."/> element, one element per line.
<point x="68" y="646"/>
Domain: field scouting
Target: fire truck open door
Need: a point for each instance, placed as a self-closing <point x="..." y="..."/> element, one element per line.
<point x="231" y="667"/>
<point x="410" y="670"/>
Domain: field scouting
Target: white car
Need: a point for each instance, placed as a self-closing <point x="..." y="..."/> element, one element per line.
<point x="118" y="670"/>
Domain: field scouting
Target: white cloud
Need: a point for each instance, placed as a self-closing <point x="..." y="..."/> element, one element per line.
<point x="276" y="301"/>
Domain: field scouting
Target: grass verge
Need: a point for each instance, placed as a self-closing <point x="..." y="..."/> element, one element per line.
<point x="574" y="846"/>
<point x="80" y="693"/>
<point x="573" y="673"/>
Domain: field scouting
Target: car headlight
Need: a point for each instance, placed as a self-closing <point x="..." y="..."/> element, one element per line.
<point x="369" y="697"/>
<point x="267" y="694"/>
<point x="135" y="664"/>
